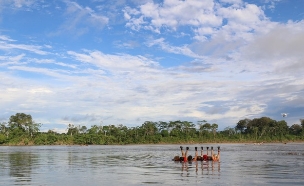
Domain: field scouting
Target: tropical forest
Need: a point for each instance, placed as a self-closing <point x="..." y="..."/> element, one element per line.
<point x="22" y="130"/>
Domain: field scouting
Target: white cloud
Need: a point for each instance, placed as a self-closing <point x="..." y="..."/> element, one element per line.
<point x="282" y="41"/>
<point x="237" y="63"/>
<point x="80" y="20"/>
<point x="18" y="3"/>
<point x="249" y="14"/>
<point x="21" y="3"/>
<point x="10" y="60"/>
<point x="118" y="62"/>
<point x="31" y="48"/>
<point x="6" y="38"/>
<point x="39" y="90"/>
<point x="171" y="15"/>
<point x="183" y="50"/>
<point x="242" y="22"/>
<point x="232" y="1"/>
<point x="206" y="17"/>
<point x="135" y="91"/>
<point x="271" y="3"/>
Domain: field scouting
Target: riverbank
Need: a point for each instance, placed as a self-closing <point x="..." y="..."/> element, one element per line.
<point x="182" y="143"/>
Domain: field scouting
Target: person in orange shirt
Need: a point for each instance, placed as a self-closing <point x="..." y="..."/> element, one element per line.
<point x="215" y="157"/>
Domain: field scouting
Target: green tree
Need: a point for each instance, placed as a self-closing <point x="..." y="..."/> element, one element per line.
<point x="162" y="126"/>
<point x="149" y="127"/>
<point x="295" y="129"/>
<point x="4" y="129"/>
<point x="187" y="126"/>
<point x="105" y="129"/>
<point x="302" y="124"/>
<point x="206" y="127"/>
<point x="229" y="131"/>
<point x="94" y="129"/>
<point x="25" y="123"/>
<point x="242" y="125"/>
<point x="20" y="121"/>
<point x="83" y="129"/>
<point x="282" y="127"/>
<point x="175" y="128"/>
<point x="72" y="130"/>
<point x="2" y="138"/>
<point x="214" y="128"/>
<point x="200" y="128"/>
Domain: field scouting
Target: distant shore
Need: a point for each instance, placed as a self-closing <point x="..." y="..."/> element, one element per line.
<point x="192" y="143"/>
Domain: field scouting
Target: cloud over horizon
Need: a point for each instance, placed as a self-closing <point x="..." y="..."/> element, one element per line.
<point x="126" y="63"/>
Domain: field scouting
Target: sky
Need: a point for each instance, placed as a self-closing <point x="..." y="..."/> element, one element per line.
<point x="100" y="62"/>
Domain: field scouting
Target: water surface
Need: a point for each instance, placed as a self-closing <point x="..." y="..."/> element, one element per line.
<point x="241" y="164"/>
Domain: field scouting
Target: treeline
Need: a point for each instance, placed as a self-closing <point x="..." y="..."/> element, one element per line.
<point x="22" y="130"/>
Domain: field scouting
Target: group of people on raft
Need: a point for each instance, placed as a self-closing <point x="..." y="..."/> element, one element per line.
<point x="202" y="157"/>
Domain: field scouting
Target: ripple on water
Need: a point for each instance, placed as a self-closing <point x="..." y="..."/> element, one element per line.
<point x="267" y="164"/>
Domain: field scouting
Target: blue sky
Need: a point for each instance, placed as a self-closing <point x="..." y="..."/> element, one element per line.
<point x="88" y="62"/>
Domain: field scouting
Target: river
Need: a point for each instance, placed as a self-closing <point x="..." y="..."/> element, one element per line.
<point x="240" y="164"/>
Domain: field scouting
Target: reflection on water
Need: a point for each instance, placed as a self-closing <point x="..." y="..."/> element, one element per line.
<point x="201" y="168"/>
<point x="20" y="166"/>
<point x="241" y="164"/>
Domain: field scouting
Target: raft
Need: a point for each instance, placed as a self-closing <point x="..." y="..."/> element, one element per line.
<point x="204" y="157"/>
<point x="190" y="158"/>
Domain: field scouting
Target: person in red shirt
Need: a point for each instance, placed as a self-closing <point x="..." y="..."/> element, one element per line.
<point x="184" y="157"/>
<point x="184" y="154"/>
<point x="205" y="156"/>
